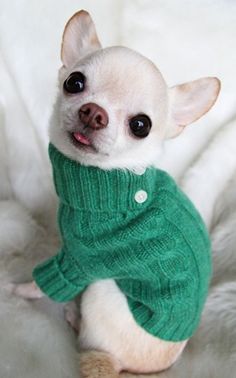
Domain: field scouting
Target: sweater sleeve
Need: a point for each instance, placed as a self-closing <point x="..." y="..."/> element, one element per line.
<point x="59" y="277"/>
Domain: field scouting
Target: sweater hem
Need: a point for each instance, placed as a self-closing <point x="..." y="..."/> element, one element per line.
<point x="165" y="326"/>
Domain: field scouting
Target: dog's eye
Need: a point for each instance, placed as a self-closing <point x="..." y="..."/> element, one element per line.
<point x="140" y="125"/>
<point x="75" y="83"/>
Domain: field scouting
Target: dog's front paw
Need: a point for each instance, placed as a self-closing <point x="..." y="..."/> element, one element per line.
<point x="27" y="290"/>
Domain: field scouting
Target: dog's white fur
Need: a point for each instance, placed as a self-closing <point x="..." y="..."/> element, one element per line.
<point x="124" y="83"/>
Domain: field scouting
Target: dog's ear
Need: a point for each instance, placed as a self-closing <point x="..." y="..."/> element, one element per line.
<point x="79" y="38"/>
<point x="190" y="101"/>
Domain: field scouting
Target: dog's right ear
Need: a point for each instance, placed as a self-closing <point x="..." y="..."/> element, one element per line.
<point x="79" y="38"/>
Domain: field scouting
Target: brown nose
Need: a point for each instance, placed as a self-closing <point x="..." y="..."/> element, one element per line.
<point x="93" y="116"/>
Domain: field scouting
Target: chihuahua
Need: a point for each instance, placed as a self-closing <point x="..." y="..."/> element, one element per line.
<point x="112" y="114"/>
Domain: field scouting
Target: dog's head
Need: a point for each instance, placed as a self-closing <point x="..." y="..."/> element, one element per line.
<point x="114" y="108"/>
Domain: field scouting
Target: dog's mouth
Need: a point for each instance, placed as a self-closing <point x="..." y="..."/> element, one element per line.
<point x="80" y="140"/>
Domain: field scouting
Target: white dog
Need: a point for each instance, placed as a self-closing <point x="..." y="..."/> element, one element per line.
<point x="113" y="111"/>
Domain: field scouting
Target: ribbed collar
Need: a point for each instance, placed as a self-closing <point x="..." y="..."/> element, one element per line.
<point x="93" y="189"/>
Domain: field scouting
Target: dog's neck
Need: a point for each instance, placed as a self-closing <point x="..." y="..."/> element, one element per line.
<point x="93" y="189"/>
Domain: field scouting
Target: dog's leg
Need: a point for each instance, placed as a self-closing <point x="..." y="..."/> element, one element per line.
<point x="72" y="316"/>
<point x="27" y="290"/>
<point x="95" y="364"/>
<point x="108" y="325"/>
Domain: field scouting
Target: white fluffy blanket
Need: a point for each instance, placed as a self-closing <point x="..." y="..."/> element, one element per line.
<point x="186" y="40"/>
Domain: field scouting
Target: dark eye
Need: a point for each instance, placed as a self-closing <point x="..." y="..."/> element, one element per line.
<point x="140" y="125"/>
<point x="75" y="83"/>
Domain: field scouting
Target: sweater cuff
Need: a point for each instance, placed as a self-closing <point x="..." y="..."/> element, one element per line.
<point x="58" y="278"/>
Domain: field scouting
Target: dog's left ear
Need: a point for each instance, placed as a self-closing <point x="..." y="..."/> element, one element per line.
<point x="190" y="101"/>
<point x="79" y="38"/>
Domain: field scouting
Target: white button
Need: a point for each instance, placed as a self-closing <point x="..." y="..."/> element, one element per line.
<point x="139" y="171"/>
<point x="140" y="196"/>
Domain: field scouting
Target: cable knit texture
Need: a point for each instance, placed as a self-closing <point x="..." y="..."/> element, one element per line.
<point x="157" y="251"/>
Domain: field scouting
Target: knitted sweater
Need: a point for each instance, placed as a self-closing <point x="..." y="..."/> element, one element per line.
<point x="155" y="247"/>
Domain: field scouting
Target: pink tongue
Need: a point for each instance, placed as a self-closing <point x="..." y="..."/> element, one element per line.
<point x="81" y="138"/>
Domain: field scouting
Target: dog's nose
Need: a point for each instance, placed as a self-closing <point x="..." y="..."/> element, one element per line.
<point x="93" y="116"/>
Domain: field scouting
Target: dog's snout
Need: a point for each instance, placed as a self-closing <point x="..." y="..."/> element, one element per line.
<point x="93" y="116"/>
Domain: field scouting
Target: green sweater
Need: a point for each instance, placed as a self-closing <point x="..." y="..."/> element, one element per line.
<point x="156" y="248"/>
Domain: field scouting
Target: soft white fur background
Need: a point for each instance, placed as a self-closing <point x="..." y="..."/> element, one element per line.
<point x="187" y="40"/>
